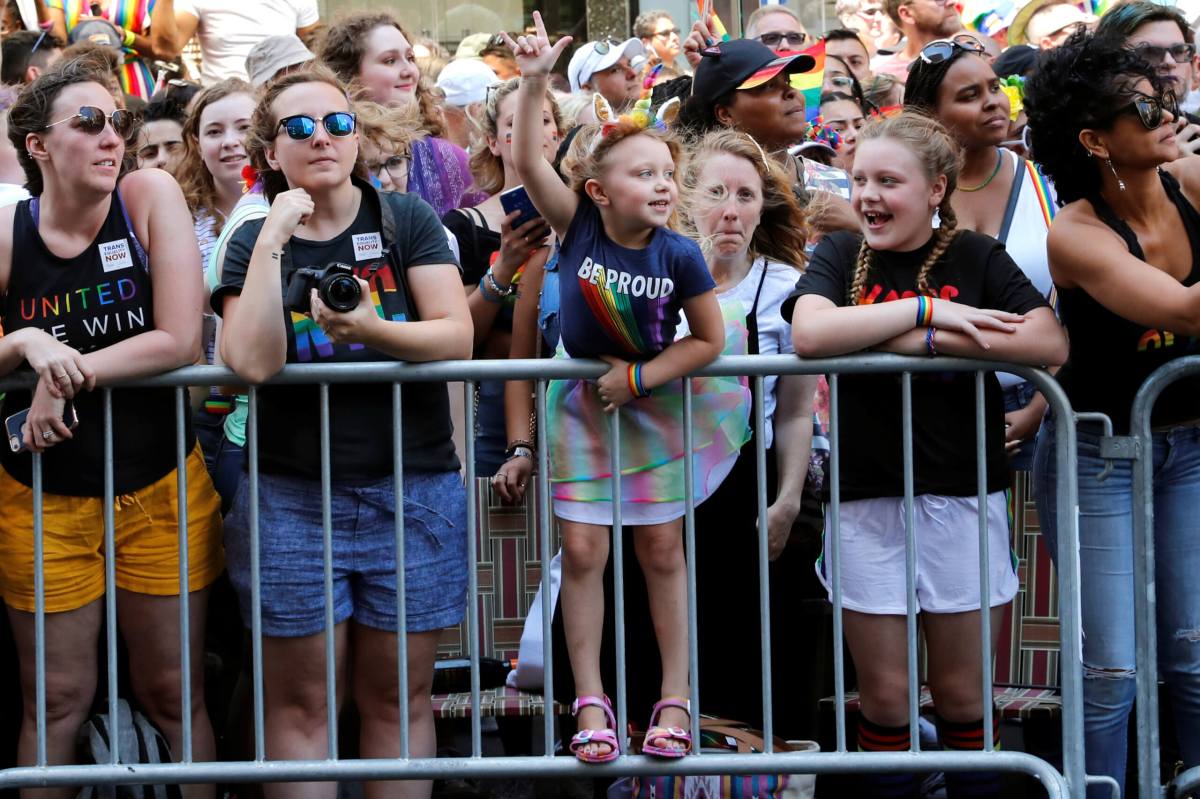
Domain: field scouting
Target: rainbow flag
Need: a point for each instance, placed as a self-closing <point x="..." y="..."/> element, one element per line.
<point x="131" y="15"/>
<point x="809" y="83"/>
<point x="704" y="7"/>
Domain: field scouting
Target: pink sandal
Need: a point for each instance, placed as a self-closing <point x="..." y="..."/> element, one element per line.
<point x="671" y="733"/>
<point x="606" y="736"/>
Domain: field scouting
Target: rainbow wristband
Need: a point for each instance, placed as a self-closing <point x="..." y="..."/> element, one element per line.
<point x="636" y="388"/>
<point x="924" y="311"/>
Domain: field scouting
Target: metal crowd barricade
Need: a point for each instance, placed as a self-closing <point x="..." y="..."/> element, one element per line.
<point x="1069" y="782"/>
<point x="1141" y="450"/>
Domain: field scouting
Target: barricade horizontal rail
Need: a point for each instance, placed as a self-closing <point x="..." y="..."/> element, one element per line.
<point x="1069" y="782"/>
<point x="1145" y="590"/>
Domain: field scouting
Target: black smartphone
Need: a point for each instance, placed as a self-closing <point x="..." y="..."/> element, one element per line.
<point x="517" y="199"/>
<point x="14" y="423"/>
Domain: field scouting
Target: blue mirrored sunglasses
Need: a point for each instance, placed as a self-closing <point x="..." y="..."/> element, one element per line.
<point x="302" y="126"/>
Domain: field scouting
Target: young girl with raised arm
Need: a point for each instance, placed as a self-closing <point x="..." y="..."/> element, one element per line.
<point x="625" y="278"/>
<point x="907" y="287"/>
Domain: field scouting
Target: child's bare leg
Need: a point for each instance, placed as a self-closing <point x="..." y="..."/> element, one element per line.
<point x="585" y="554"/>
<point x="659" y="550"/>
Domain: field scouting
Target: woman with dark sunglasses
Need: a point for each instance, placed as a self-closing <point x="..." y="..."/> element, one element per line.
<point x="1001" y="194"/>
<point x="1125" y="254"/>
<point x="101" y="282"/>
<point x="409" y="306"/>
<point x="373" y="53"/>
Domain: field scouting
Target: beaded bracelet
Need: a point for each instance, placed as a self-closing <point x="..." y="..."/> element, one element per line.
<point x="487" y="292"/>
<point x="929" y="345"/>
<point x="490" y="277"/>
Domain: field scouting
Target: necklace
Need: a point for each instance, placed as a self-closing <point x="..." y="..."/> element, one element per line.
<point x="991" y="177"/>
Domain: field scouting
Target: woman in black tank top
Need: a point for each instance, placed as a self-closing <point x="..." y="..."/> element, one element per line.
<point x="1125" y="254"/>
<point x="100" y="283"/>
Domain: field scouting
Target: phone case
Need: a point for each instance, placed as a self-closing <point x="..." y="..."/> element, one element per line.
<point x="14" y="423"/>
<point x="518" y="200"/>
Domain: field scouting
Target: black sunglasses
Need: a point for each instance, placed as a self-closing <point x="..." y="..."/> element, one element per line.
<point x="1154" y="54"/>
<point x="944" y="49"/>
<point x="92" y="120"/>
<point x="301" y="126"/>
<point x="1150" y="109"/>
<point x="794" y="39"/>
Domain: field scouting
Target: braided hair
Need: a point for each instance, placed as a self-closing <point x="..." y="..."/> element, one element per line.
<point x="937" y="151"/>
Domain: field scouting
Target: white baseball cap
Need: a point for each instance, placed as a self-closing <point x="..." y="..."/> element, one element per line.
<point x="1050" y="19"/>
<point x="466" y="81"/>
<point x="594" y="57"/>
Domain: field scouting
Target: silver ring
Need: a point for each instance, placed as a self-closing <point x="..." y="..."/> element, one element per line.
<point x="47" y="435"/>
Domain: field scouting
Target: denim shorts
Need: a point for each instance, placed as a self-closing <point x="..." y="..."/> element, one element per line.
<point x="291" y="564"/>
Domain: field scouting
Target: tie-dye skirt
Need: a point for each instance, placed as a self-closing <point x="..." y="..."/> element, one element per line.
<point x="651" y="442"/>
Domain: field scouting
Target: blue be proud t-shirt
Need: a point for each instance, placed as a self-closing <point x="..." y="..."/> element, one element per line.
<point x="623" y="302"/>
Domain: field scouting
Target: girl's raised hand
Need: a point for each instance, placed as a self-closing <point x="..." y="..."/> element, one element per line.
<point x="535" y="55"/>
<point x="970" y="321"/>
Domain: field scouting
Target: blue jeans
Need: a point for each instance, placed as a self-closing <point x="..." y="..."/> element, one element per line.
<point x="1017" y="397"/>
<point x="1106" y="564"/>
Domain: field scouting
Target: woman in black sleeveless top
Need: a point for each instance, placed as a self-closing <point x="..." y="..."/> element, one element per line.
<point x="100" y="283"/>
<point x="1125" y="254"/>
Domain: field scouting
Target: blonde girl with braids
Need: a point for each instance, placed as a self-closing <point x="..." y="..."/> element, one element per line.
<point x="905" y="286"/>
<point x="625" y="279"/>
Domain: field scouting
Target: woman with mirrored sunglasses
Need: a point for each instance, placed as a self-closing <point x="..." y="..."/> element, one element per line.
<point x="1001" y="194"/>
<point x="408" y="305"/>
<point x="1124" y="251"/>
<point x="101" y="282"/>
<point x="372" y="52"/>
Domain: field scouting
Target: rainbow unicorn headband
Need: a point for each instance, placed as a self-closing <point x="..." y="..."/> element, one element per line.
<point x="641" y="116"/>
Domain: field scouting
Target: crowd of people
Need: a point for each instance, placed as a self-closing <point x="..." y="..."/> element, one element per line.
<point x="1016" y="187"/>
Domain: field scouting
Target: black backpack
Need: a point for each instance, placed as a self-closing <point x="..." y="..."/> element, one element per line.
<point x="138" y="741"/>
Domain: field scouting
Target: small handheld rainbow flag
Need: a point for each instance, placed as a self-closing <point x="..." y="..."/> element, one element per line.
<point x="809" y="83"/>
<point x="706" y="11"/>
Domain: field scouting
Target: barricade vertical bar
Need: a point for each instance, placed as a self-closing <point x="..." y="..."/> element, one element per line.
<point x="1145" y="598"/>
<point x="185" y="622"/>
<point x="260" y="749"/>
<point x="110" y="573"/>
<point x="689" y="543"/>
<point x="401" y="604"/>
<point x="469" y="389"/>
<point x="327" y="538"/>
<point x="618" y="550"/>
<point x="1070" y="612"/>
<point x="835" y="564"/>
<point x="39" y="611"/>
<point x="985" y="588"/>
<point x="910" y="564"/>
<point x="764" y="577"/>
<point x="545" y="550"/>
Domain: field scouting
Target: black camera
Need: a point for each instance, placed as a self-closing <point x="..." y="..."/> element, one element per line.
<point x="335" y="285"/>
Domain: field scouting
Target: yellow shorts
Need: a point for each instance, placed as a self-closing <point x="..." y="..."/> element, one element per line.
<point x="146" y="533"/>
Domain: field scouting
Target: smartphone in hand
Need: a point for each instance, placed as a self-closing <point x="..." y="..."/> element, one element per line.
<point x="14" y="424"/>
<point x="517" y="199"/>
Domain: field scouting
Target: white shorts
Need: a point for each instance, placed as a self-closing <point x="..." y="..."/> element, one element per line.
<point x="947" y="542"/>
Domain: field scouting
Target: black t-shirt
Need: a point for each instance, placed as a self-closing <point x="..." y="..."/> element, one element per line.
<point x="96" y="299"/>
<point x="476" y="244"/>
<point x="976" y="271"/>
<point x="360" y="421"/>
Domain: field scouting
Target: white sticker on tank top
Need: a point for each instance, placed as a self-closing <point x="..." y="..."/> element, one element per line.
<point x="367" y="246"/>
<point x="115" y="255"/>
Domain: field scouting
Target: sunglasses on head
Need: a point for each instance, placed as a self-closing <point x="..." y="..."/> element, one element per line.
<point x="604" y="45"/>
<point x="1154" y="54"/>
<point x="301" y="126"/>
<point x="944" y="49"/>
<point x="92" y="120"/>
<point x="1150" y="109"/>
<point x="794" y="39"/>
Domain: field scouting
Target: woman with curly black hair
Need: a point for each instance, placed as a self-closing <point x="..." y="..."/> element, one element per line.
<point x="1125" y="254"/>
<point x="1001" y="194"/>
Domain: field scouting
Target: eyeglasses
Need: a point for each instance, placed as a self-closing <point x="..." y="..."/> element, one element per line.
<point x="92" y="120"/>
<point x="794" y="39"/>
<point x="301" y="126"/>
<point x="668" y="33"/>
<point x="842" y="82"/>
<point x="1150" y="109"/>
<point x="396" y="167"/>
<point x="1154" y="54"/>
<point x="944" y="49"/>
<point x="873" y="11"/>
